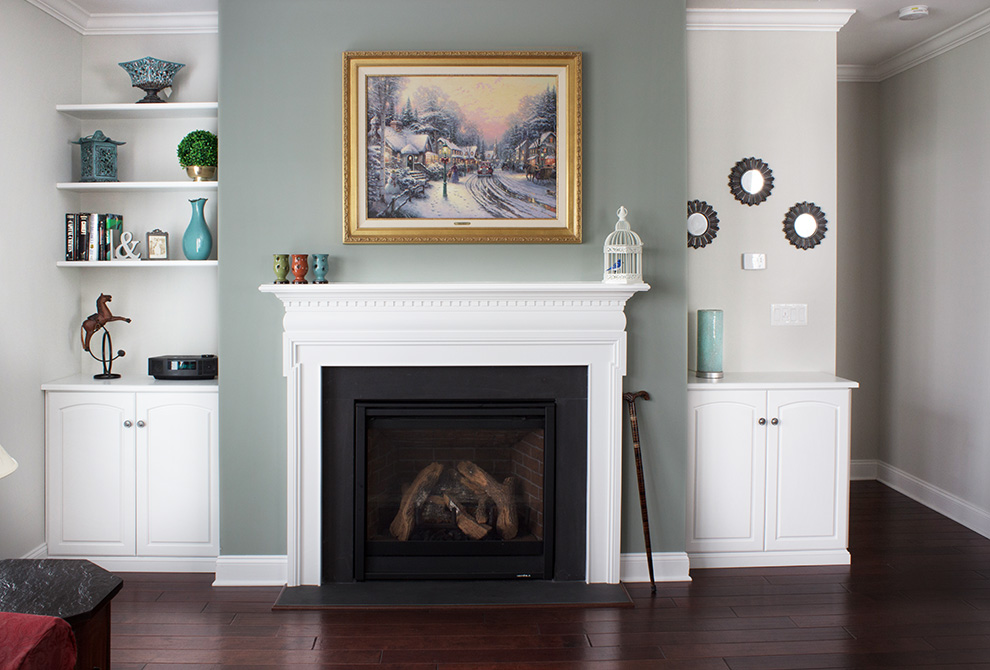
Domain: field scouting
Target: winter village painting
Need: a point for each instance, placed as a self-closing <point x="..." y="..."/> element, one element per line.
<point x="465" y="147"/>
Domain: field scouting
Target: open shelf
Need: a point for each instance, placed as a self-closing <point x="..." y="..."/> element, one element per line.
<point x="117" y="186"/>
<point x="166" y="110"/>
<point x="136" y="264"/>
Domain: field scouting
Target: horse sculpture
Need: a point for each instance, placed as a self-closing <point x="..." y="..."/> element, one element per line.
<point x="96" y="321"/>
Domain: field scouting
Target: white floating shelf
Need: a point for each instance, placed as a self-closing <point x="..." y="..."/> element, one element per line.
<point x="136" y="264"/>
<point x="112" y="186"/>
<point x="166" y="110"/>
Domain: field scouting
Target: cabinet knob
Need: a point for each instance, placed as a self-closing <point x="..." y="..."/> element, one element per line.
<point x="773" y="422"/>
<point x="141" y="423"/>
<point x="762" y="421"/>
<point x="128" y="424"/>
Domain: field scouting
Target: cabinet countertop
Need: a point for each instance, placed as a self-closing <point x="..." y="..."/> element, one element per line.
<point x="133" y="384"/>
<point x="770" y="380"/>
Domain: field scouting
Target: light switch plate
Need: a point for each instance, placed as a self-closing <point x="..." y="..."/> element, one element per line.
<point x="754" y="261"/>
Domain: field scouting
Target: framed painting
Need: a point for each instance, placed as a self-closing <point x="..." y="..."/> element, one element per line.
<point x="444" y="147"/>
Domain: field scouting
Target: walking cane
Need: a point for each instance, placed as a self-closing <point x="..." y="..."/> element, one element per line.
<point x="630" y="399"/>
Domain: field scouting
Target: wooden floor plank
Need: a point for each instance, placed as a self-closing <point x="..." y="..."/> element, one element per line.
<point x="916" y="597"/>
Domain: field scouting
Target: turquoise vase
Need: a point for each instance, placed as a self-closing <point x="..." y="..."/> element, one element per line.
<point x="197" y="243"/>
<point x="709" y="344"/>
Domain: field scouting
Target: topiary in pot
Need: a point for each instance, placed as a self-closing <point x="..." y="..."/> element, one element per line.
<point x="198" y="154"/>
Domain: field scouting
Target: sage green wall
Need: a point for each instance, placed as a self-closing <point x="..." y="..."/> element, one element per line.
<point x="280" y="137"/>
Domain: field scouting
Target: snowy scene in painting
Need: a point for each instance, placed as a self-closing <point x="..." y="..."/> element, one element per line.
<point x="462" y="147"/>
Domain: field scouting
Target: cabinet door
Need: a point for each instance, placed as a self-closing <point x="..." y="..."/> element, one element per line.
<point x="90" y="474"/>
<point x="177" y="483"/>
<point x="808" y="470"/>
<point x="726" y="471"/>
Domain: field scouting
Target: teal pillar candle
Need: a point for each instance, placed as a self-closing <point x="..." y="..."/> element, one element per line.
<point x="709" y="344"/>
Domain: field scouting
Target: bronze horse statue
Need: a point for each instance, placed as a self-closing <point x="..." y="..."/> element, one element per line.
<point x="96" y="321"/>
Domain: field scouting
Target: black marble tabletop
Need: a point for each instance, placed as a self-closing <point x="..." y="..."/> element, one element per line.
<point x="66" y="588"/>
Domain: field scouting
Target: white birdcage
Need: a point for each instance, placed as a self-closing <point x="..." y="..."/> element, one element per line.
<point x="623" y="254"/>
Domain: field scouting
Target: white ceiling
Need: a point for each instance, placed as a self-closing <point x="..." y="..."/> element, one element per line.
<point x="873" y="44"/>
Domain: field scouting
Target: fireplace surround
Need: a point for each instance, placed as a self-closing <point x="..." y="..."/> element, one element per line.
<point x="572" y="324"/>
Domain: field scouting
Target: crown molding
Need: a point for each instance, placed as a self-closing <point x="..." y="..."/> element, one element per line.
<point x="165" y="23"/>
<point x="816" y="20"/>
<point x="947" y="40"/>
<point x="857" y="73"/>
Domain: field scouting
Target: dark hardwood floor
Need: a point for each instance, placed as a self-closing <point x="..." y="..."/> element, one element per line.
<point x="917" y="596"/>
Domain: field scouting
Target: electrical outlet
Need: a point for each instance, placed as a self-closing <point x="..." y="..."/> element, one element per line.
<point x="790" y="314"/>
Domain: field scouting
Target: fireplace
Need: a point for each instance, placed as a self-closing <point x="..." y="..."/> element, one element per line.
<point x="466" y="472"/>
<point x="373" y="327"/>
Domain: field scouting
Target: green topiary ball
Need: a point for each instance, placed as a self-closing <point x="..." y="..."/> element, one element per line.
<point x="198" y="148"/>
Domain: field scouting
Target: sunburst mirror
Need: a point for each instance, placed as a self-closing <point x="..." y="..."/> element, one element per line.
<point x="751" y="181"/>
<point x="805" y="225"/>
<point x="702" y="224"/>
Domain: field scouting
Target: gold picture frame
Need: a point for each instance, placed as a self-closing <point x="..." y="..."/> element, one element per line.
<point x="462" y="147"/>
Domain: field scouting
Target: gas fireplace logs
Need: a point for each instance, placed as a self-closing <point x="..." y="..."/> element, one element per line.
<point x="459" y="490"/>
<point x="413" y="499"/>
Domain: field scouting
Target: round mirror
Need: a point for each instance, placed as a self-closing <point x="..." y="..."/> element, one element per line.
<point x="751" y="181"/>
<point x="805" y="225"/>
<point x="702" y="224"/>
<point x="697" y="224"/>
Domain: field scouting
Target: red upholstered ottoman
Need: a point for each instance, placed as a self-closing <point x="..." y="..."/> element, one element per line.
<point x="33" y="642"/>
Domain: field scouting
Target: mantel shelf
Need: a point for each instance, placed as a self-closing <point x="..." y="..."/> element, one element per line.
<point x="136" y="264"/>
<point x="118" y="186"/>
<point x="168" y="110"/>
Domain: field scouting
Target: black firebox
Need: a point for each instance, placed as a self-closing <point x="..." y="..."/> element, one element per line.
<point x="454" y="473"/>
<point x="462" y="490"/>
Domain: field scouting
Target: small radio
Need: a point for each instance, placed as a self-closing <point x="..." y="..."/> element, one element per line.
<point x="184" y="367"/>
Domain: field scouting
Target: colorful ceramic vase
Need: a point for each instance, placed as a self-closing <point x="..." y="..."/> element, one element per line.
<point x="320" y="267"/>
<point x="197" y="243"/>
<point x="300" y="266"/>
<point x="281" y="267"/>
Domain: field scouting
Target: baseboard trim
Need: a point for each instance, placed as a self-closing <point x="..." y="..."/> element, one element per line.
<point x="41" y="551"/>
<point x="863" y="469"/>
<point x="669" y="566"/>
<point x="252" y="571"/>
<point x="759" y="559"/>
<point x="151" y="563"/>
<point x="938" y="499"/>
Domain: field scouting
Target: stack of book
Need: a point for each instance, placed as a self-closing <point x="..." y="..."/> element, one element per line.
<point x="91" y="236"/>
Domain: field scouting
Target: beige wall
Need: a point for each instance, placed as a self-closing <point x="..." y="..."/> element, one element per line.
<point x="934" y="201"/>
<point x="770" y="95"/>
<point x="859" y="321"/>
<point x="39" y="67"/>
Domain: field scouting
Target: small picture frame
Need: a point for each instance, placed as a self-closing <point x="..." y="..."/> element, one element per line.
<point x="157" y="245"/>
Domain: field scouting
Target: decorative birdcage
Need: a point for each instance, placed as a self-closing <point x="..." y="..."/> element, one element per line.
<point x="98" y="157"/>
<point x="623" y="254"/>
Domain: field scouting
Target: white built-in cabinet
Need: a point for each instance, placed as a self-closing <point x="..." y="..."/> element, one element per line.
<point x="132" y="471"/>
<point x="768" y="470"/>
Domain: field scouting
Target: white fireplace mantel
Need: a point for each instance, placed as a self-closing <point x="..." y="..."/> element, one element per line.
<point x="454" y="324"/>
